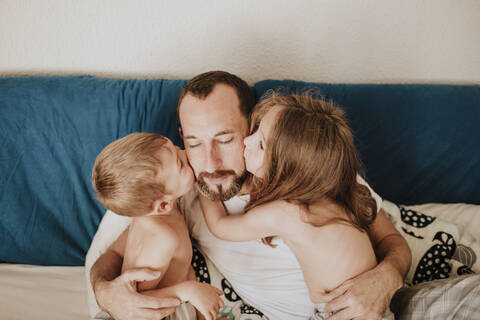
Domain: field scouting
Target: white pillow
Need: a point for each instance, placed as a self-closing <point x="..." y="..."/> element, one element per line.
<point x="440" y="248"/>
<point x="112" y="225"/>
<point x="110" y="228"/>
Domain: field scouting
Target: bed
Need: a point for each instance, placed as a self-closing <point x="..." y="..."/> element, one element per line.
<point x="419" y="145"/>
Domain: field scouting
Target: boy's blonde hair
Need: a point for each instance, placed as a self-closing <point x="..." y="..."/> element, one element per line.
<point x="126" y="176"/>
<point x="310" y="154"/>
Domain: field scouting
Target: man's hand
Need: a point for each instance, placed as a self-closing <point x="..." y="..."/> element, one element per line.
<point x="365" y="297"/>
<point x="119" y="297"/>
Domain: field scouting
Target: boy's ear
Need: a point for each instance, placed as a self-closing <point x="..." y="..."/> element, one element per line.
<point x="162" y="206"/>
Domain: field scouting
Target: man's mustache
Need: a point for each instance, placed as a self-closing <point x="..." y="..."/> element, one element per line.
<point x="216" y="174"/>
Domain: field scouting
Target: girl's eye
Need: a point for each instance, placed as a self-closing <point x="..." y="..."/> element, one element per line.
<point x="261" y="145"/>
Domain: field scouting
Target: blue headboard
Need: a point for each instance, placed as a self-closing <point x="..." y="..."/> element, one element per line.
<point x="51" y="130"/>
<point x="419" y="143"/>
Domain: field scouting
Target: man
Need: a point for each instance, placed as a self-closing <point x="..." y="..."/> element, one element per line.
<point x="213" y="110"/>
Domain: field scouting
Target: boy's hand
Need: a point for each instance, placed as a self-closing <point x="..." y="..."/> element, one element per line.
<point x="205" y="298"/>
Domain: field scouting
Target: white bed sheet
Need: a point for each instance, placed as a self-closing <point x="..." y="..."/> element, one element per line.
<point x="41" y="292"/>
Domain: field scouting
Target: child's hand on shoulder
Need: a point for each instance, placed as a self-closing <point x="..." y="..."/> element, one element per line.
<point x="206" y="299"/>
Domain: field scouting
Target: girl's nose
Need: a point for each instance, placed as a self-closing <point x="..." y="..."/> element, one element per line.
<point x="247" y="141"/>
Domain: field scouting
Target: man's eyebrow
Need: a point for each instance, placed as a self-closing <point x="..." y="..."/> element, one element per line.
<point x="221" y="133"/>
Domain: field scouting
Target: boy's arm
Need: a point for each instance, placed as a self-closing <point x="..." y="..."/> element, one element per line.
<point x="191" y="274"/>
<point x="368" y="295"/>
<point x="153" y="246"/>
<point x="116" y="293"/>
<point x="255" y="224"/>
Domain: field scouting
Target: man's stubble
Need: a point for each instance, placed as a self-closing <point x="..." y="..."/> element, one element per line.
<point x="221" y="195"/>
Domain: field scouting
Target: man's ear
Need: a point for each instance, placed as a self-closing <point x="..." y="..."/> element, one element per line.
<point x="162" y="206"/>
<point x="180" y="132"/>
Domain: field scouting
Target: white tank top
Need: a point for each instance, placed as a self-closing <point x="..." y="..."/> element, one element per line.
<point x="269" y="279"/>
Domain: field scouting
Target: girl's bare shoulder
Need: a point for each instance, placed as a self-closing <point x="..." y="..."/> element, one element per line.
<point x="278" y="207"/>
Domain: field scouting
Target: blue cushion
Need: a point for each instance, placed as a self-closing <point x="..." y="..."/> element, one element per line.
<point x="51" y="130"/>
<point x="418" y="143"/>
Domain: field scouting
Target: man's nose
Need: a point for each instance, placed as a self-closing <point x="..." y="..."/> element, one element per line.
<point x="213" y="160"/>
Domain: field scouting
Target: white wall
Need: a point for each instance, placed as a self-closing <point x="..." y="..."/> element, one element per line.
<point x="435" y="41"/>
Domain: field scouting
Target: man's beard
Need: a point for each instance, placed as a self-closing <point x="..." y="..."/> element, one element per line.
<point x="221" y="195"/>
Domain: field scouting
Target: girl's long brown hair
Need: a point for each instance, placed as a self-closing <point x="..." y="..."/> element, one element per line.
<point x="310" y="154"/>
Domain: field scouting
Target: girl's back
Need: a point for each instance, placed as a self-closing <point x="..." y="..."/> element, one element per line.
<point x="328" y="254"/>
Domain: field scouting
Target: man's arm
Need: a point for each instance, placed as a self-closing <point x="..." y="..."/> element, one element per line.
<point x="109" y="265"/>
<point x="392" y="250"/>
<point x="117" y="295"/>
<point x="368" y="295"/>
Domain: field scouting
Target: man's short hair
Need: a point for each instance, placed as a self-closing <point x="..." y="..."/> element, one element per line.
<point x="202" y="85"/>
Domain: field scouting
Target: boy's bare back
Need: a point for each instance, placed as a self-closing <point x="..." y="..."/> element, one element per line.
<point x="161" y="243"/>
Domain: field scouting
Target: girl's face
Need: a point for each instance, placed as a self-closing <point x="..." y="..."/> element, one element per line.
<point x="255" y="144"/>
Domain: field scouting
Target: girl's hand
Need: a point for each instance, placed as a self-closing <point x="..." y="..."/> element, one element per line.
<point x="205" y="298"/>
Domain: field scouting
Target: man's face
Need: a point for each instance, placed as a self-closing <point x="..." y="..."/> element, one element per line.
<point x="213" y="130"/>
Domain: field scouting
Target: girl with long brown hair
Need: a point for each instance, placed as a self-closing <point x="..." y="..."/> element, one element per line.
<point x="304" y="190"/>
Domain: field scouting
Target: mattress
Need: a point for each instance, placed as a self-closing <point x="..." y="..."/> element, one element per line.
<point x="46" y="292"/>
<point x="41" y="292"/>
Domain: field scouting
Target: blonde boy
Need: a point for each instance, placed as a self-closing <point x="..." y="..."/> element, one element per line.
<point x="141" y="176"/>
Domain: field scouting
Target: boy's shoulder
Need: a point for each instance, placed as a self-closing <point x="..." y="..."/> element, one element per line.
<point x="155" y="228"/>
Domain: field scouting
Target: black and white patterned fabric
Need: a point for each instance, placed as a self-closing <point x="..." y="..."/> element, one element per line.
<point x="440" y="249"/>
<point x="234" y="308"/>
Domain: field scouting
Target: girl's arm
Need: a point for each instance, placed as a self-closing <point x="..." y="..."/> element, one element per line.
<point x="204" y="297"/>
<point x="255" y="224"/>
